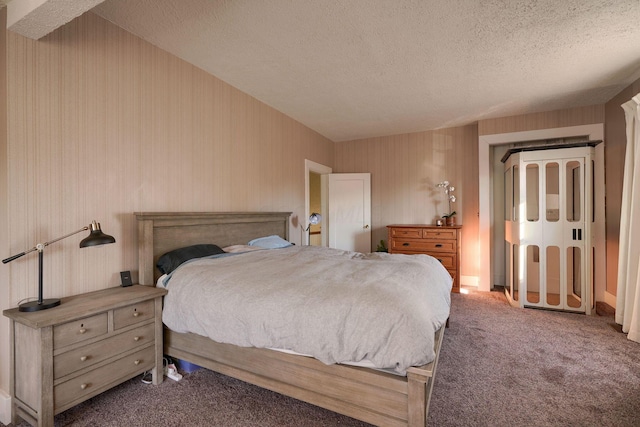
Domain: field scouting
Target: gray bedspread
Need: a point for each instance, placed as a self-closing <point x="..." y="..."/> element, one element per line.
<point x="334" y="305"/>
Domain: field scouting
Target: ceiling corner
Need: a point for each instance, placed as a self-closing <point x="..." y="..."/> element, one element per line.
<point x="37" y="18"/>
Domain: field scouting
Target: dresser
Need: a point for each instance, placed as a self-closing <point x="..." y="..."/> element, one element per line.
<point x="88" y="344"/>
<point x="441" y="242"/>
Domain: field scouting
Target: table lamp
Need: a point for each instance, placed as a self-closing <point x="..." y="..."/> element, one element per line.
<point x="314" y="219"/>
<point x="95" y="238"/>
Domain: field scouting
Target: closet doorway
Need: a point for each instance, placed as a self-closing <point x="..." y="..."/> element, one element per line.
<point x="549" y="217"/>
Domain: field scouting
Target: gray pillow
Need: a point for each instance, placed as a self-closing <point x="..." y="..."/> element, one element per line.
<point x="172" y="260"/>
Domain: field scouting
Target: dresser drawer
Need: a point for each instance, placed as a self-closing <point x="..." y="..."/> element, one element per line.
<point x="448" y="261"/>
<point x="455" y="283"/>
<point x="443" y="243"/>
<point x="132" y="314"/>
<point x="439" y="234"/>
<point x="406" y="245"/>
<point x="80" y="330"/>
<point x="101" y="378"/>
<point x="408" y="233"/>
<point x="91" y="354"/>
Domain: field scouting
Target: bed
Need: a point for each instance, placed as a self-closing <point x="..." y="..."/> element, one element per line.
<point x="370" y="395"/>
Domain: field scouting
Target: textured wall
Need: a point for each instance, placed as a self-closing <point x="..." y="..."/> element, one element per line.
<point x="543" y="120"/>
<point x="102" y="124"/>
<point x="404" y="172"/>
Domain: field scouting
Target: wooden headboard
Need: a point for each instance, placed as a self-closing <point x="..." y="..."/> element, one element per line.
<point x="160" y="232"/>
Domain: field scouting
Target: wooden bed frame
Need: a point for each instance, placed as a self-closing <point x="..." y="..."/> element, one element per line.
<point x="366" y="394"/>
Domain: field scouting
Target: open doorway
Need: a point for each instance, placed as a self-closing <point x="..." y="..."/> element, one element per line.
<point x="316" y="234"/>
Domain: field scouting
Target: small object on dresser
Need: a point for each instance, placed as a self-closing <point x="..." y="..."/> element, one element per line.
<point x="125" y="277"/>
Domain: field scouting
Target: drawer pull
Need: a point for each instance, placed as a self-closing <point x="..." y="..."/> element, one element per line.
<point x="83" y="358"/>
<point x="82" y="330"/>
<point x="438" y="245"/>
<point x="136" y="314"/>
<point x="439" y="259"/>
<point x="84" y="386"/>
<point x="137" y="362"/>
<point x="136" y="338"/>
<point x="405" y="244"/>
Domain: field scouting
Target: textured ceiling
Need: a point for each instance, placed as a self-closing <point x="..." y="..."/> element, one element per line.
<point x="353" y="69"/>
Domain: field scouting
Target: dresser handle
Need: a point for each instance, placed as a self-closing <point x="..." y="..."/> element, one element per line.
<point x="439" y="259"/>
<point x="82" y="330"/>
<point x="136" y="338"/>
<point x="83" y="358"/>
<point x="405" y="244"/>
<point x="136" y="314"/>
<point x="84" y="386"/>
<point x="137" y="362"/>
<point x="438" y="245"/>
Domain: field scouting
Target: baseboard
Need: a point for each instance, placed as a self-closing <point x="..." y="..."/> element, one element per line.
<point x="5" y="408"/>
<point x="610" y="299"/>
<point x="469" y="281"/>
<point x="604" y="309"/>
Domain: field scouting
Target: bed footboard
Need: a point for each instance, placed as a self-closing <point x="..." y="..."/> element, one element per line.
<point x="369" y="395"/>
<point x="421" y="386"/>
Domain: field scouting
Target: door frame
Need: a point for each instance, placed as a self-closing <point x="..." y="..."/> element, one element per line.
<point x="311" y="166"/>
<point x="487" y="224"/>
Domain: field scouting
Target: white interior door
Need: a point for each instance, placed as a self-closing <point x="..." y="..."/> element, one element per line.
<point x="547" y="229"/>
<point x="555" y="234"/>
<point x="348" y="210"/>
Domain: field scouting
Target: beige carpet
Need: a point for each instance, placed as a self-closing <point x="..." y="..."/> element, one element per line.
<point x="499" y="366"/>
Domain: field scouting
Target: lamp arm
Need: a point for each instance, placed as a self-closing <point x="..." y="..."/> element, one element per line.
<point x="41" y="246"/>
<point x="11" y="258"/>
<point x="66" y="235"/>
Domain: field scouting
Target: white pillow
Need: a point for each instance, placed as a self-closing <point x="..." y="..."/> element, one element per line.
<point x="270" y="242"/>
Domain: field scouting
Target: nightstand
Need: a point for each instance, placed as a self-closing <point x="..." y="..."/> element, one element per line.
<point x="88" y="344"/>
<point x="441" y="242"/>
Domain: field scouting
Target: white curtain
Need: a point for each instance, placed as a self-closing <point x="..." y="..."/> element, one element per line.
<point x="628" y="292"/>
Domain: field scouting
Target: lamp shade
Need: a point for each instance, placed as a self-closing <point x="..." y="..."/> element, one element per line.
<point x="96" y="237"/>
<point x="315" y="218"/>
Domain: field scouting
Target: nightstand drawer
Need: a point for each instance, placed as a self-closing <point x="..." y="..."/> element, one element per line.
<point x="440" y="233"/>
<point x="134" y="313"/>
<point x="99" y="379"/>
<point x="80" y="330"/>
<point x="406" y="245"/>
<point x="91" y="354"/>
